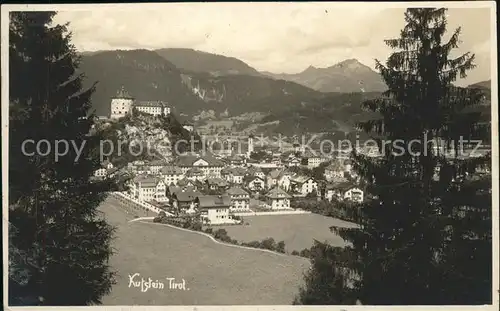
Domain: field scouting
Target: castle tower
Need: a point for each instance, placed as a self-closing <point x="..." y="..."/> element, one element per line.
<point x="121" y="104"/>
<point x="250" y="145"/>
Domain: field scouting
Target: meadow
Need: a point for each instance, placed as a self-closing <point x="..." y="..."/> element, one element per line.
<point x="297" y="231"/>
<point x="214" y="274"/>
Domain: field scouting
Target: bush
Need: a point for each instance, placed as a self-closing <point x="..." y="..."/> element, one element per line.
<point x="209" y="230"/>
<point x="280" y="248"/>
<point x="221" y="234"/>
<point x="162" y="214"/>
<point x="157" y="219"/>
<point x="295" y="253"/>
<point x="233" y="241"/>
<point x="305" y="253"/>
<point x="269" y="244"/>
<point x="254" y="244"/>
<point x="197" y="226"/>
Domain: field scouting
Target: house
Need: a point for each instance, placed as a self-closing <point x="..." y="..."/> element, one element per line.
<point x="254" y="183"/>
<point x="112" y="172"/>
<point x="235" y="160"/>
<point x="105" y="168"/>
<point x="108" y="165"/>
<point x="156" y="166"/>
<point x="240" y="199"/>
<point x="293" y="162"/>
<point x="313" y="161"/>
<point x="196" y="174"/>
<point x="303" y="185"/>
<point x="237" y="174"/>
<point x="217" y="184"/>
<point x="172" y="175"/>
<point x="335" y="171"/>
<point x="272" y="178"/>
<point x="354" y="194"/>
<point x="214" y="209"/>
<point x="188" y="126"/>
<point x="257" y="172"/>
<point x="284" y="180"/>
<point x="155" y="108"/>
<point x="148" y="188"/>
<point x="184" y="198"/>
<point x="278" y="199"/>
<point x="186" y="183"/>
<point x="344" y="191"/>
<point x="100" y="172"/>
<point x="209" y="165"/>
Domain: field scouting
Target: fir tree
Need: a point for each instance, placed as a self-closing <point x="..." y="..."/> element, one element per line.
<point x="424" y="236"/>
<point x="59" y="244"/>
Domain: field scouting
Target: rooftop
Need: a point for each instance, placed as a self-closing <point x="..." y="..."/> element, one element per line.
<point x="171" y="170"/>
<point x="214" y="201"/>
<point x="217" y="181"/>
<point x="236" y="191"/>
<point x="187" y="196"/>
<point x="150" y="103"/>
<point x="122" y="93"/>
<point x="277" y="193"/>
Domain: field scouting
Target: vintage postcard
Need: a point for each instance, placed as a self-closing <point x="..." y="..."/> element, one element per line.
<point x="225" y="156"/>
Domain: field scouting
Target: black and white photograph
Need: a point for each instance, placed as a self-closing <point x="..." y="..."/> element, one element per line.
<point x="217" y="155"/>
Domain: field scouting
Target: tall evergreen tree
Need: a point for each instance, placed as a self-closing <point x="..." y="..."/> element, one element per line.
<point x="424" y="236"/>
<point x="58" y="243"/>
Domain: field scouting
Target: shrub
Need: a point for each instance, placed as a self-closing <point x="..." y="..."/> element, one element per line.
<point x="157" y="219"/>
<point x="305" y="253"/>
<point x="268" y="243"/>
<point x="280" y="247"/>
<point x="255" y="244"/>
<point x="233" y="241"/>
<point x="220" y="233"/>
<point x="162" y="214"/>
<point x="295" y="253"/>
<point x="197" y="226"/>
<point x="209" y="230"/>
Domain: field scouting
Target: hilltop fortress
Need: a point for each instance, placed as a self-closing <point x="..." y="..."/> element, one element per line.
<point x="122" y="104"/>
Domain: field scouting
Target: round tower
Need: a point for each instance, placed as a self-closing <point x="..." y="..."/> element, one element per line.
<point x="121" y="104"/>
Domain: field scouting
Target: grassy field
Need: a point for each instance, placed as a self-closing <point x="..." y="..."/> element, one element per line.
<point x="298" y="231"/>
<point x="214" y="274"/>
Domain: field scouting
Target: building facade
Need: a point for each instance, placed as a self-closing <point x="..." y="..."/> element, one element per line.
<point x="123" y="103"/>
<point x="240" y="199"/>
<point x="278" y="199"/>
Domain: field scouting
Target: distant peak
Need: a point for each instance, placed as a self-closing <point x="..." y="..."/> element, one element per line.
<point x="310" y="68"/>
<point x="351" y="63"/>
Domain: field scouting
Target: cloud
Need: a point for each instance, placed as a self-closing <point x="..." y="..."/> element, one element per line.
<point x="277" y="37"/>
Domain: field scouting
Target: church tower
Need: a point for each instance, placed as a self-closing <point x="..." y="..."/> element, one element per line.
<point x="121" y="104"/>
<point x="250" y="145"/>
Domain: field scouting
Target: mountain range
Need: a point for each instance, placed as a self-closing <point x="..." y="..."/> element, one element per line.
<point x="347" y="76"/>
<point x="198" y="61"/>
<point x="192" y="82"/>
<point x="148" y="76"/>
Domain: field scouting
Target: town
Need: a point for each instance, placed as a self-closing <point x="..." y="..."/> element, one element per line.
<point x="220" y="186"/>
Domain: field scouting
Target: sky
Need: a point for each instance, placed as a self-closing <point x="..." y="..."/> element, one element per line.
<point x="275" y="37"/>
